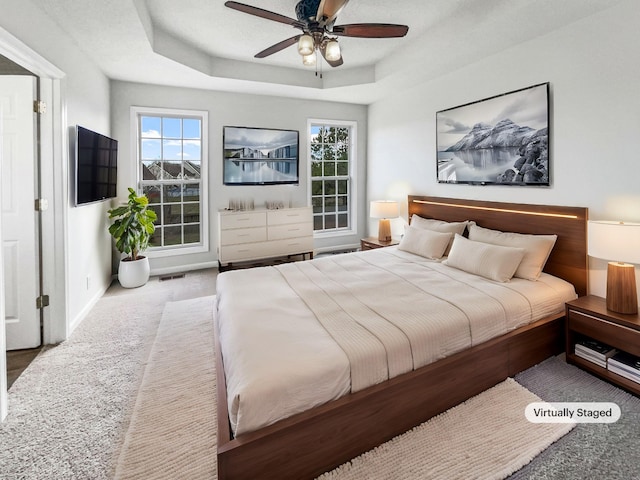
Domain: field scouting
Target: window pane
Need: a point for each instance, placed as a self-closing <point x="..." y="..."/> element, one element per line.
<point x="172" y="150"/>
<point x="317" y="222"/>
<point x="191" y="212"/>
<point x="342" y="187"/>
<point x="192" y="233"/>
<point x="316" y="202"/>
<point x="329" y="204"/>
<point x="329" y="221"/>
<point x="343" y="220"/>
<point x="171" y="193"/>
<point x="150" y="150"/>
<point x="172" y="235"/>
<point x="191" y="170"/>
<point x="152" y="192"/>
<point x="192" y="150"/>
<point x="329" y="153"/>
<point x="329" y="187"/>
<point x="329" y="169"/>
<point x="316" y="187"/>
<point x="191" y="192"/>
<point x="191" y="128"/>
<point x="172" y="214"/>
<point x="151" y="170"/>
<point x="150" y="127"/>
<point x="171" y="128"/>
<point x="156" y="238"/>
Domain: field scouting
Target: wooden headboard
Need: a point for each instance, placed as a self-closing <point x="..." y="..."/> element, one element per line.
<point x="568" y="259"/>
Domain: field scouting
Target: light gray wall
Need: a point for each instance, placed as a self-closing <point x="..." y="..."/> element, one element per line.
<point x="594" y="75"/>
<point x="235" y="110"/>
<point x="85" y="91"/>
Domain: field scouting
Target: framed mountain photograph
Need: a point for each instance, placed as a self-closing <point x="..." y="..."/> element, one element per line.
<point x="502" y="140"/>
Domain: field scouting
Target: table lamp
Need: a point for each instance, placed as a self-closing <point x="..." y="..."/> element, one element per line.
<point x="618" y="241"/>
<point x="384" y="210"/>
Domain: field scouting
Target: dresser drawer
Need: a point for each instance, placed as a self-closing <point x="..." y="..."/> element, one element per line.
<point x="242" y="220"/>
<point x="243" y="235"/>
<point x="618" y="336"/>
<point x="279" y="232"/>
<point x="290" y="246"/>
<point x="289" y="215"/>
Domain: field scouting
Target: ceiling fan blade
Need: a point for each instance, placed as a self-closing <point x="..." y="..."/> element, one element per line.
<point x="371" y="30"/>
<point x="328" y="10"/>
<point x="277" y="47"/>
<point x="259" y="12"/>
<point x="333" y="63"/>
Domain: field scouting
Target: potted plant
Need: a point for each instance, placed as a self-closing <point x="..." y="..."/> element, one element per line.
<point x="132" y="229"/>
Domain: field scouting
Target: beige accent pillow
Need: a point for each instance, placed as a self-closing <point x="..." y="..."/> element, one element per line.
<point x="537" y="248"/>
<point x="426" y="243"/>
<point x="494" y="262"/>
<point x="438" y="226"/>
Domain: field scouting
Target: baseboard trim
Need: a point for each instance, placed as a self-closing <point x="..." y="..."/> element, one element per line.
<point x="77" y="320"/>
<point x="183" y="268"/>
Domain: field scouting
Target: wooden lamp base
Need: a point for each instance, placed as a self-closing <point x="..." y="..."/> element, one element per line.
<point x="384" y="230"/>
<point x="622" y="295"/>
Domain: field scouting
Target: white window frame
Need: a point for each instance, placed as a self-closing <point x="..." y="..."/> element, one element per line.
<point x="353" y="180"/>
<point x="173" y="250"/>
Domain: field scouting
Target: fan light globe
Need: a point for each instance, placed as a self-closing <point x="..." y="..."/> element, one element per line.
<point x="305" y="45"/>
<point x="332" y="52"/>
<point x="309" y="60"/>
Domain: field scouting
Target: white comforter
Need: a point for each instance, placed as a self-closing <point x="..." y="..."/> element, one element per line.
<point x="301" y="334"/>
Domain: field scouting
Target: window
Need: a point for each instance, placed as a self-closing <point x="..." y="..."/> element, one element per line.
<point x="172" y="160"/>
<point x="331" y="150"/>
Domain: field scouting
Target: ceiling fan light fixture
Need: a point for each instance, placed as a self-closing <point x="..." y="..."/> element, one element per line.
<point x="306" y="45"/>
<point x="332" y="51"/>
<point x="309" y="60"/>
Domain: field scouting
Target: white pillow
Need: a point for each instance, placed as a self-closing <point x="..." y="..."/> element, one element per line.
<point x="438" y="226"/>
<point x="537" y="248"/>
<point x="426" y="243"/>
<point x="494" y="262"/>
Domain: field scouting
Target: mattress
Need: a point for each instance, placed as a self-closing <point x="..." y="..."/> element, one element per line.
<point x="299" y="335"/>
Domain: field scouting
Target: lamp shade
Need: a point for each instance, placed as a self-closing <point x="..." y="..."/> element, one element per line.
<point x="309" y="60"/>
<point x="383" y="209"/>
<point x="332" y="52"/>
<point x="305" y="45"/>
<point x="619" y="241"/>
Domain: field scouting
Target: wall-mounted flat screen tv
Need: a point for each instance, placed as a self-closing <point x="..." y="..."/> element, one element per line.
<point x="96" y="166"/>
<point x="260" y="156"/>
<point x="502" y="140"/>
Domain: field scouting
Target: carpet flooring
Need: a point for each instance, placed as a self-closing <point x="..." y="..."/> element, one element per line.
<point x="70" y="411"/>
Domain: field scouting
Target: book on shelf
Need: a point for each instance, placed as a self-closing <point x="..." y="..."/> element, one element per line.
<point x="594" y="351"/>
<point x="627" y="362"/>
<point x="623" y="373"/>
<point x="591" y="358"/>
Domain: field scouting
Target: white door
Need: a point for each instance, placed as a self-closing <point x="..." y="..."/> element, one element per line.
<point x="19" y="235"/>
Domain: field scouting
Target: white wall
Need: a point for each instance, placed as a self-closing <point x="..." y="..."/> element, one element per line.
<point x="234" y="110"/>
<point x="85" y="91"/>
<point x="594" y="74"/>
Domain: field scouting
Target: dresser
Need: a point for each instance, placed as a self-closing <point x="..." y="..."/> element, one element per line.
<point x="262" y="234"/>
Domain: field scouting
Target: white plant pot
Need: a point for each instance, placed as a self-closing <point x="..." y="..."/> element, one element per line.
<point x="133" y="273"/>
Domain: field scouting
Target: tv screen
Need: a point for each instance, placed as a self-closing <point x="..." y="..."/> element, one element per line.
<point x="96" y="166"/>
<point x="260" y="156"/>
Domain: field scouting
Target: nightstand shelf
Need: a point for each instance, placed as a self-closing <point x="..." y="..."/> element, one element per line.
<point x="370" y="243"/>
<point x="588" y="316"/>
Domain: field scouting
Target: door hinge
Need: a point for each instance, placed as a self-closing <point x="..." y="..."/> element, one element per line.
<point x="42" y="301"/>
<point x="41" y="204"/>
<point x="39" y="107"/>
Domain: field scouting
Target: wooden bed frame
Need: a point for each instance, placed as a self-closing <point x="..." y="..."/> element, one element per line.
<point x="312" y="442"/>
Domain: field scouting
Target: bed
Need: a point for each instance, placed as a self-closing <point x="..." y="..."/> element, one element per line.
<point x="363" y="408"/>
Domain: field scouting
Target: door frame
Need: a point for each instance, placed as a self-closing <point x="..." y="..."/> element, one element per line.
<point x="54" y="185"/>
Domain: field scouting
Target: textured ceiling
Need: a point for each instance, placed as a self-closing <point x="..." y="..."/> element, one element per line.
<point x="203" y="44"/>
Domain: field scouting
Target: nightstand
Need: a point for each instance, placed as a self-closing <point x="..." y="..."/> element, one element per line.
<point x="370" y="243"/>
<point x="588" y="316"/>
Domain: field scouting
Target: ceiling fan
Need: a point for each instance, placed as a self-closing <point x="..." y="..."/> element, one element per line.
<point x="316" y="19"/>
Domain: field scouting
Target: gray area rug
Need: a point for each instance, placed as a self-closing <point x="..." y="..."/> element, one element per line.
<point x="590" y="450"/>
